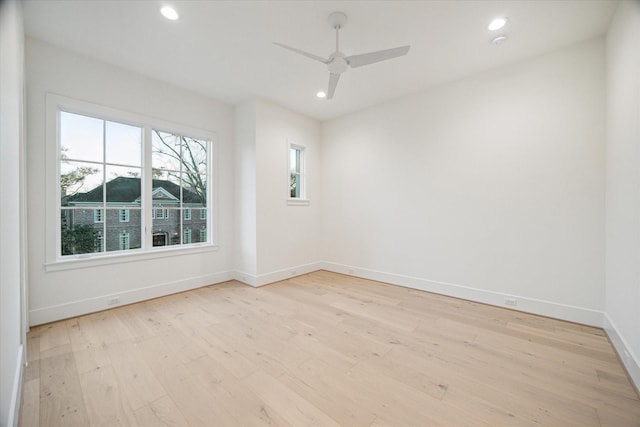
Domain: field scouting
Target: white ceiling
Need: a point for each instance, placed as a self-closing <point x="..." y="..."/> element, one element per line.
<point x="223" y="49"/>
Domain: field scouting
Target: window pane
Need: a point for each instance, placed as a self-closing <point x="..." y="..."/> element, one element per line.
<point x="194" y="153"/>
<point x="194" y="190"/>
<point x="166" y="227"/>
<point x="80" y="183"/>
<point x="166" y="192"/>
<point x="124" y="144"/>
<point x="79" y="234"/>
<point x="81" y="137"/>
<point x="165" y="152"/>
<point x="123" y="185"/>
<point x="294" y="185"/>
<point x="294" y="160"/>
<point x="123" y="235"/>
<point x="203" y="235"/>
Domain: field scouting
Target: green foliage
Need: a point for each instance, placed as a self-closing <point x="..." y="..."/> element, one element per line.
<point x="72" y="181"/>
<point x="80" y="239"/>
<point x="293" y="185"/>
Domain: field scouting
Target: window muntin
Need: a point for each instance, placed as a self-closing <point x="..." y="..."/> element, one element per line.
<point x="96" y="158"/>
<point x="297" y="182"/>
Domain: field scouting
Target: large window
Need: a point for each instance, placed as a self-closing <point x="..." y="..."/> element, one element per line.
<point x="127" y="186"/>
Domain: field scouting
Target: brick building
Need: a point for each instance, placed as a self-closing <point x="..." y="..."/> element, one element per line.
<point x="113" y="221"/>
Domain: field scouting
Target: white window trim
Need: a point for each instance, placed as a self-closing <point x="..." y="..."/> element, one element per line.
<point x="303" y="200"/>
<point x="54" y="260"/>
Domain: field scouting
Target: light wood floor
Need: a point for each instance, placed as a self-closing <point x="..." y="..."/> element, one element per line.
<point x="322" y="350"/>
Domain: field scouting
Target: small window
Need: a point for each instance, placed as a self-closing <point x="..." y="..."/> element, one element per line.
<point x="160" y="213"/>
<point x="203" y="235"/>
<point x="124" y="241"/>
<point x="124" y="215"/>
<point x="98" y="215"/>
<point x="187" y="236"/>
<point x="203" y="214"/>
<point x="186" y="214"/>
<point x="99" y="242"/>
<point x="296" y="172"/>
<point x="297" y="190"/>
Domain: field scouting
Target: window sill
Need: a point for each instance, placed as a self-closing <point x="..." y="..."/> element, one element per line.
<point x="90" y="260"/>
<point x="298" y="202"/>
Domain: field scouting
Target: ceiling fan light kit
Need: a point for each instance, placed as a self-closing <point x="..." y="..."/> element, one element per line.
<point x="337" y="63"/>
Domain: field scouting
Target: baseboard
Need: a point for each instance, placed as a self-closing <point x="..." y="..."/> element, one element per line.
<point x="276" y="276"/>
<point x="52" y="313"/>
<point x="528" y="305"/>
<point x="16" y="390"/>
<point x="629" y="359"/>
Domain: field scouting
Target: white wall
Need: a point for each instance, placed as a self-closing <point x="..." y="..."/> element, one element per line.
<point x="58" y="294"/>
<point x="245" y="260"/>
<point x="484" y="188"/>
<point x="287" y="235"/>
<point x="623" y="185"/>
<point x="274" y="240"/>
<point x="11" y="101"/>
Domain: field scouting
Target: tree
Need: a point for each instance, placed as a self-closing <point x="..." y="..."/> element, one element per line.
<point x="73" y="181"/>
<point x="190" y="154"/>
<point x="79" y="239"/>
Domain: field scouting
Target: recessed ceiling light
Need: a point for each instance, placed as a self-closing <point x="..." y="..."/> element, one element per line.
<point x="169" y="13"/>
<point x="321" y="94"/>
<point x="498" y="39"/>
<point x="497" y="23"/>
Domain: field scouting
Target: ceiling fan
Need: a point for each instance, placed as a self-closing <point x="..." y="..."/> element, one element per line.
<point x="337" y="63"/>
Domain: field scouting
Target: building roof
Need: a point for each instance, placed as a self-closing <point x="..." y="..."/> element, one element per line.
<point x="127" y="190"/>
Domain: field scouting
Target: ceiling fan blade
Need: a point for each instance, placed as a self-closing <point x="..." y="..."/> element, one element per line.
<point x="380" y="55"/>
<point x="302" y="52"/>
<point x="333" y="82"/>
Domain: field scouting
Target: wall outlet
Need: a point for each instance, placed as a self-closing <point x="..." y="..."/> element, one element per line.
<point x="352" y="271"/>
<point x="113" y="301"/>
<point x="512" y="302"/>
<point x="626" y="356"/>
<point x="294" y="272"/>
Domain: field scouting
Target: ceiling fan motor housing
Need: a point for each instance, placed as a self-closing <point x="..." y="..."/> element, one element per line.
<point x="337" y="63"/>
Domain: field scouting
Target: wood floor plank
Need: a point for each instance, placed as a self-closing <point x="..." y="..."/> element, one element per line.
<point x="322" y="349"/>
<point x="286" y="402"/>
<point x="30" y="405"/>
<point x="60" y="401"/>
<point x="160" y="413"/>
<point x="102" y="396"/>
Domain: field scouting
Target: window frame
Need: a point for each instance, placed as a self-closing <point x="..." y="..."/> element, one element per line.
<point x="303" y="200"/>
<point x="54" y="259"/>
